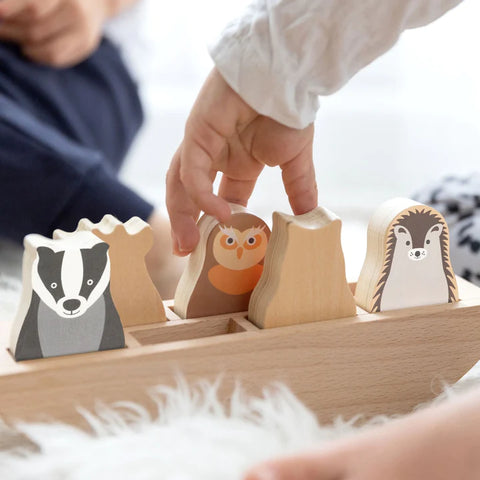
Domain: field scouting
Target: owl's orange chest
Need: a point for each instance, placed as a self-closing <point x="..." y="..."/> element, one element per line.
<point x="234" y="282"/>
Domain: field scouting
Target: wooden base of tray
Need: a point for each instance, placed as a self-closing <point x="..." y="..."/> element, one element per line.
<point x="372" y="364"/>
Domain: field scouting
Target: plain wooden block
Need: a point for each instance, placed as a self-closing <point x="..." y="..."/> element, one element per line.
<point x="408" y="259"/>
<point x="134" y="294"/>
<point x="225" y="266"/>
<point x="304" y="276"/>
<point x="66" y="305"/>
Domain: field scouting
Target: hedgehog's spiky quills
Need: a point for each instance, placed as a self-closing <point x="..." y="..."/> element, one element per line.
<point x="418" y="220"/>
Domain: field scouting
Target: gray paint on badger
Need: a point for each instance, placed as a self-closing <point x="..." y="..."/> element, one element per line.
<point x="64" y="336"/>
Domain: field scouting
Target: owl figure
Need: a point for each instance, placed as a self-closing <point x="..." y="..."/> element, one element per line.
<point x="240" y="259"/>
<point x="225" y="267"/>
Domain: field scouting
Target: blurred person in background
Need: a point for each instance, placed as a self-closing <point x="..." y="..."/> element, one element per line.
<point x="69" y="111"/>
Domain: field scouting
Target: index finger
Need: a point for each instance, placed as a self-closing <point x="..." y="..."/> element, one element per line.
<point x="182" y="211"/>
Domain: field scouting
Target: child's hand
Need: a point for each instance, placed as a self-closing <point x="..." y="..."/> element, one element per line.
<point x="58" y="33"/>
<point x="437" y="444"/>
<point x="224" y="134"/>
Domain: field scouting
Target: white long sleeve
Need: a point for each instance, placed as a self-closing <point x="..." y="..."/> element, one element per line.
<point x="282" y="54"/>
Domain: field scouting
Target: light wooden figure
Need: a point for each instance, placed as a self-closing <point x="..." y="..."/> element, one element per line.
<point x="304" y="275"/>
<point x="225" y="266"/>
<point x="408" y="261"/>
<point x="66" y="305"/>
<point x="134" y="294"/>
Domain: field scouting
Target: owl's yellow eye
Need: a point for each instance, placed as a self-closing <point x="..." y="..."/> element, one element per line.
<point x="228" y="242"/>
<point x="253" y="241"/>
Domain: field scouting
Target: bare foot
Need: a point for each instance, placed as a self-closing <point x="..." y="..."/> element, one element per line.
<point x="164" y="267"/>
<point x="439" y="443"/>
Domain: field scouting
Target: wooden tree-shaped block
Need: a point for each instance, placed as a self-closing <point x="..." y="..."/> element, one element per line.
<point x="225" y="266"/>
<point x="66" y="305"/>
<point x="134" y="294"/>
<point x="408" y="260"/>
<point x="304" y="275"/>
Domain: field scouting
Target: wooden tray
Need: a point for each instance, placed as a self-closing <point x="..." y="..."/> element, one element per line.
<point x="371" y="363"/>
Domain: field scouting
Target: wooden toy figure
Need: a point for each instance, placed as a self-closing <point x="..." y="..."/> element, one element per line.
<point x="408" y="261"/>
<point x="66" y="306"/>
<point x="225" y="267"/>
<point x="134" y="294"/>
<point x="304" y="277"/>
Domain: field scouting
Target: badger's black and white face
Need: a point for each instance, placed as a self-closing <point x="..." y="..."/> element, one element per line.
<point x="416" y="241"/>
<point x="70" y="281"/>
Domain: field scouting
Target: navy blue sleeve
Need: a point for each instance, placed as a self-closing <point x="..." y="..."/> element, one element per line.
<point x="48" y="181"/>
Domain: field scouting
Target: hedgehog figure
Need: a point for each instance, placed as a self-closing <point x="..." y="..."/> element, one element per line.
<point x="415" y="266"/>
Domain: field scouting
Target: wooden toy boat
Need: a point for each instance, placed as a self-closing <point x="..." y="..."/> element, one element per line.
<point x="384" y="362"/>
<point x="371" y="363"/>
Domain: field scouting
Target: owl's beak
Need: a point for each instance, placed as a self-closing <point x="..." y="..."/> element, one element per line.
<point x="239" y="252"/>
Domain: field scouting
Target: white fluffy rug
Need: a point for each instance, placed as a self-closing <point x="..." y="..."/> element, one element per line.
<point x="191" y="437"/>
<point x="10" y="278"/>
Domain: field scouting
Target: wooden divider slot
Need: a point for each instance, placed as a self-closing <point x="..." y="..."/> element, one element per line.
<point x="177" y="330"/>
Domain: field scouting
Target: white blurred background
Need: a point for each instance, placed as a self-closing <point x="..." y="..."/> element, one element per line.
<point x="411" y="116"/>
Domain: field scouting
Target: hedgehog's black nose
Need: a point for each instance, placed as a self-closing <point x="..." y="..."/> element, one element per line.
<point x="71" y="304"/>
<point x="417" y="253"/>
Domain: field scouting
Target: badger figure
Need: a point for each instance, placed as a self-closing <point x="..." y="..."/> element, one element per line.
<point x="417" y="262"/>
<point x="66" y="304"/>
